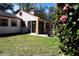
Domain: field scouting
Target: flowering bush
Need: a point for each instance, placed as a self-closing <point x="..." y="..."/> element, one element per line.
<point x="69" y="34"/>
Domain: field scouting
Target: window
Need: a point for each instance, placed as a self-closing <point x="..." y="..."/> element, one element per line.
<point x="3" y="22"/>
<point x="14" y="23"/>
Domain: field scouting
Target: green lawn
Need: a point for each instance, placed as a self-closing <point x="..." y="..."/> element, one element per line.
<point x="25" y="45"/>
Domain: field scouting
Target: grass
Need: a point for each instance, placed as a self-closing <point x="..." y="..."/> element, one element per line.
<point x="28" y="45"/>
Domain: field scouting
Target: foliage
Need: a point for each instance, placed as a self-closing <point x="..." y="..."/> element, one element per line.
<point x="26" y="6"/>
<point x="5" y="6"/>
<point x="40" y="11"/>
<point x="69" y="32"/>
<point x="52" y="13"/>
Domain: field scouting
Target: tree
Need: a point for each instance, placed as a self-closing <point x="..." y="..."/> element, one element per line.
<point x="26" y="6"/>
<point x="69" y="29"/>
<point x="41" y="11"/>
<point x="5" y="6"/>
<point x="52" y="13"/>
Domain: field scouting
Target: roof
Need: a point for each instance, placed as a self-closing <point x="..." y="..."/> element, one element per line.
<point x="38" y="17"/>
<point x="32" y="15"/>
<point x="24" y="11"/>
<point x="9" y="15"/>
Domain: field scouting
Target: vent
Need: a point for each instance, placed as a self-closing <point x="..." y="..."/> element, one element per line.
<point x="20" y="13"/>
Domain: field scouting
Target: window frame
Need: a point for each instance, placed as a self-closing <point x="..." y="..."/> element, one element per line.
<point x="14" y="21"/>
<point x="2" y="22"/>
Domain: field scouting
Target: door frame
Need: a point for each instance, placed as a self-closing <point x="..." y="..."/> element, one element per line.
<point x="31" y="25"/>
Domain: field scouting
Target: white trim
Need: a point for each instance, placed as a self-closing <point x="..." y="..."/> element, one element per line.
<point x="9" y="22"/>
<point x="31" y="26"/>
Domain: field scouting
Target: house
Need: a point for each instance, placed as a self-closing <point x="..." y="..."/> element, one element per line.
<point x="34" y="24"/>
<point x="23" y="22"/>
<point x="9" y="23"/>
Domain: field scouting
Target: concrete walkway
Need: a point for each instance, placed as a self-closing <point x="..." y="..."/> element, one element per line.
<point x="44" y="35"/>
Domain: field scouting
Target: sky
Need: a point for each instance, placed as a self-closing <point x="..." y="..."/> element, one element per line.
<point x="50" y="4"/>
<point x="16" y="7"/>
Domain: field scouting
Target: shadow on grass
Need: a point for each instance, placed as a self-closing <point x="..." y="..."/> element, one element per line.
<point x="12" y="34"/>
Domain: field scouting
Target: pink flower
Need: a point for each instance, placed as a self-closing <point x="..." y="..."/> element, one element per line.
<point x="66" y="7"/>
<point x="63" y="19"/>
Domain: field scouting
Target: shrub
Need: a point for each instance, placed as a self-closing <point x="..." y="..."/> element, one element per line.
<point x="69" y="31"/>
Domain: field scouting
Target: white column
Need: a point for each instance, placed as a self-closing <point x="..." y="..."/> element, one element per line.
<point x="37" y="26"/>
<point x="44" y="27"/>
<point x="31" y="26"/>
<point x="9" y="22"/>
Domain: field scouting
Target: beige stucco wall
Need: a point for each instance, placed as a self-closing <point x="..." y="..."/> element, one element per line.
<point x="9" y="29"/>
